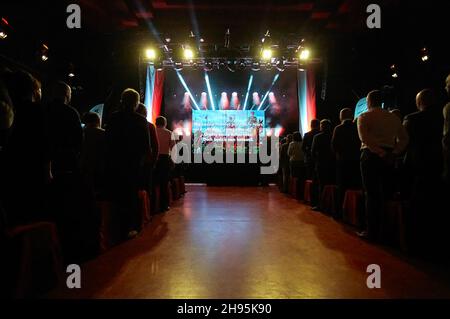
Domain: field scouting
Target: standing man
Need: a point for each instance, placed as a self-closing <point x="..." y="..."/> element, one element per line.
<point x="307" y="146"/>
<point x="127" y="145"/>
<point x="346" y="146"/>
<point x="383" y="137"/>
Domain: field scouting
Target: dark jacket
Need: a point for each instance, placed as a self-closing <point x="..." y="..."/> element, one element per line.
<point x="321" y="151"/>
<point x="127" y="144"/>
<point x="66" y="137"/>
<point x="424" y="152"/>
<point x="307" y="144"/>
<point x="345" y="142"/>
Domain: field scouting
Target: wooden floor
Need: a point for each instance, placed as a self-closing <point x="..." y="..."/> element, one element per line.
<point x="229" y="242"/>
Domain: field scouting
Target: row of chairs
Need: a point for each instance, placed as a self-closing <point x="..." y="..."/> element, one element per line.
<point x="352" y="210"/>
<point x="32" y="262"/>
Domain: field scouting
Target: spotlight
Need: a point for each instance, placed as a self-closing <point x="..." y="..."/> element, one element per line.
<point x="44" y="57"/>
<point x="188" y="54"/>
<point x="266" y="54"/>
<point x="395" y="75"/>
<point x="150" y="54"/>
<point x="231" y="65"/>
<point x="304" y="55"/>
<point x="168" y="40"/>
<point x="268" y="66"/>
<point x="178" y="66"/>
<point x="256" y="66"/>
<point x="3" y="35"/>
<point x="208" y="66"/>
<point x="241" y="65"/>
<point x="425" y="57"/>
<point x="281" y="65"/>
<point x="202" y="40"/>
<point x="71" y="75"/>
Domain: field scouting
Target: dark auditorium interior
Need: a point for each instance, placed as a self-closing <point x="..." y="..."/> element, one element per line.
<point x="203" y="149"/>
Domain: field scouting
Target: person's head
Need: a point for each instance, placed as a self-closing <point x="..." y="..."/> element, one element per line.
<point x="325" y="126"/>
<point x="37" y="91"/>
<point x="397" y="113"/>
<point x="425" y="99"/>
<point x="92" y="119"/>
<point x="297" y="137"/>
<point x="447" y="84"/>
<point x="129" y="100"/>
<point x="20" y="87"/>
<point x="61" y="92"/>
<point x="374" y="99"/>
<point x="346" y="114"/>
<point x="315" y="124"/>
<point x="161" y="122"/>
<point x="142" y="110"/>
<point x="289" y="138"/>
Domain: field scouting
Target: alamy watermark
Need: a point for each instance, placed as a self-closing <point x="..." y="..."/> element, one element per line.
<point x="264" y="151"/>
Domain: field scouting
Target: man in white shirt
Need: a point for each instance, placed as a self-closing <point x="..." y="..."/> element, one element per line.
<point x="383" y="137"/>
<point x="163" y="165"/>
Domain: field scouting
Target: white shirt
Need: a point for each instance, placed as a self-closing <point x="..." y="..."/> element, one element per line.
<point x="378" y="129"/>
<point x="165" y="140"/>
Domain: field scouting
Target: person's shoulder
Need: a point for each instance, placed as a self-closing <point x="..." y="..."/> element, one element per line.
<point x="413" y="116"/>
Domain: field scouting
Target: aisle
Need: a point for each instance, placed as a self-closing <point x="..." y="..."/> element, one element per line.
<point x="225" y="242"/>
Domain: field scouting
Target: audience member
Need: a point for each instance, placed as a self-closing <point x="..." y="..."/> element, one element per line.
<point x="423" y="163"/>
<point x="152" y="155"/>
<point x="26" y="165"/>
<point x="93" y="151"/>
<point x="127" y="144"/>
<point x="383" y="137"/>
<point x="296" y="158"/>
<point x="284" y="162"/>
<point x="164" y="163"/>
<point x="66" y="135"/>
<point x="307" y="147"/>
<point x="323" y="159"/>
<point x="346" y="146"/>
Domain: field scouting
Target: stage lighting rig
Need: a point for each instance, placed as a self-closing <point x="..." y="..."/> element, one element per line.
<point x="304" y="54"/>
<point x="424" y="55"/>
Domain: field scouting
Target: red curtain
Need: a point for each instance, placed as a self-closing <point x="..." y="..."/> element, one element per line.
<point x="158" y="91"/>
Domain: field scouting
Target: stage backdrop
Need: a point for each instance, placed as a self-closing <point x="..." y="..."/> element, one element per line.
<point x="286" y="98"/>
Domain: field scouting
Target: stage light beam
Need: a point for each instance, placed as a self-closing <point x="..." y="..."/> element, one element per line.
<point x="250" y="81"/>
<point x="275" y="78"/>
<point x="180" y="77"/>
<point x="211" y="96"/>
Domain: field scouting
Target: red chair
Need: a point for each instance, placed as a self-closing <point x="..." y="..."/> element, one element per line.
<point x="32" y="261"/>
<point x="328" y="199"/>
<point x="144" y="207"/>
<point x="308" y="191"/>
<point x="353" y="207"/>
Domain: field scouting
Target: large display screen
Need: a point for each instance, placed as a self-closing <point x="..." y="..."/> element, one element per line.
<point x="224" y="97"/>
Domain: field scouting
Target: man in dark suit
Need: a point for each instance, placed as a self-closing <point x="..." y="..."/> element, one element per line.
<point x="423" y="162"/>
<point x="307" y="145"/>
<point x="346" y="146"/>
<point x="127" y="144"/>
<point x="323" y="158"/>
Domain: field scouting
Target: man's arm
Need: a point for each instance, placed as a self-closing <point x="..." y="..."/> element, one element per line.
<point x="402" y="139"/>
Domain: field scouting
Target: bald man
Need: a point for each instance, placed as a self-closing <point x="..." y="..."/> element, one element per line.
<point x="424" y="152"/>
<point x="346" y="146"/>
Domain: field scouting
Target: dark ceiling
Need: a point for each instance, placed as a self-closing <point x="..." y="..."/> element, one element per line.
<point x="107" y="46"/>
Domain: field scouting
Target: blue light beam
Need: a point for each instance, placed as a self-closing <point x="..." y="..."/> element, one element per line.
<point x="180" y="77"/>
<point x="275" y="78"/>
<point x="211" y="96"/>
<point x="250" y="81"/>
